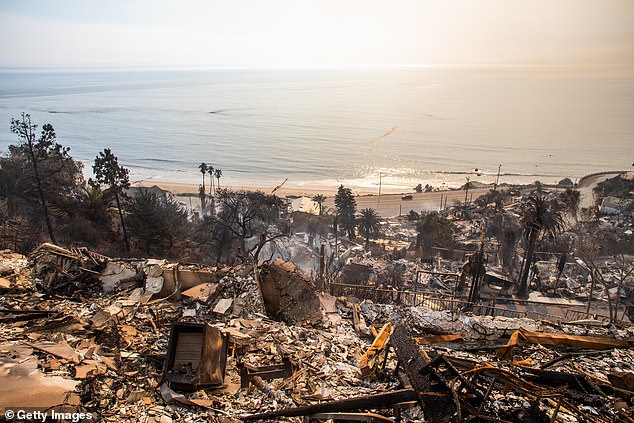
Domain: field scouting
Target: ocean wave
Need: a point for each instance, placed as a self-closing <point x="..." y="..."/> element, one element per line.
<point x="151" y="159"/>
<point x="87" y="111"/>
<point x="460" y="172"/>
<point x="373" y="171"/>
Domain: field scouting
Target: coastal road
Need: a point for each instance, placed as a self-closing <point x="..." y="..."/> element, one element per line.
<point x="588" y="183"/>
<point x="389" y="205"/>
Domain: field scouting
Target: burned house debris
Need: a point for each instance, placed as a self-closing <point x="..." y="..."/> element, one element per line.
<point x="136" y="340"/>
<point x="387" y="332"/>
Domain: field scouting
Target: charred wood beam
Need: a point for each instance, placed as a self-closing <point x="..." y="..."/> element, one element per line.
<point x="432" y="394"/>
<point x="348" y="417"/>
<point x="15" y="311"/>
<point x="23" y="317"/>
<point x="368" y="402"/>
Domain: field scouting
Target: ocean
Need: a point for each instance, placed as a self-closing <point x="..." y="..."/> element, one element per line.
<point x="322" y="128"/>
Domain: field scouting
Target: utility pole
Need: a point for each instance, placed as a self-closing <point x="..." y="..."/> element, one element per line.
<point x="380" y="176"/>
<point x="497" y="180"/>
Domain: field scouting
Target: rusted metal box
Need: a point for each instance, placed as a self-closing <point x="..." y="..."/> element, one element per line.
<point x="196" y="356"/>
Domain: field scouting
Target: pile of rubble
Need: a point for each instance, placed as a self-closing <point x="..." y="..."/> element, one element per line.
<point x="152" y="341"/>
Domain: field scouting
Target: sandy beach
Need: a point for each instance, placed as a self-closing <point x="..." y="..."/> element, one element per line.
<point x="387" y="205"/>
<point x="181" y="189"/>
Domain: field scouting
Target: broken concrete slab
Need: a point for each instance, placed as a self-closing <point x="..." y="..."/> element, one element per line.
<point x="471" y="328"/>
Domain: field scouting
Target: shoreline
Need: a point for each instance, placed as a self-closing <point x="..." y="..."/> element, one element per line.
<point x="183" y="189"/>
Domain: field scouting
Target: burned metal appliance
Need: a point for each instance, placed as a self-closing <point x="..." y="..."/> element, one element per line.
<point x="196" y="356"/>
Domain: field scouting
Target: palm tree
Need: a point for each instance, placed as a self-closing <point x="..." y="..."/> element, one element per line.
<point x="210" y="170"/>
<point x="203" y="169"/>
<point x="539" y="216"/>
<point x="94" y="203"/>
<point x="319" y="199"/>
<point x="218" y="174"/>
<point x="368" y="223"/>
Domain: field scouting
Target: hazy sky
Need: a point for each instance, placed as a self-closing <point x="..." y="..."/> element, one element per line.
<point x="316" y="32"/>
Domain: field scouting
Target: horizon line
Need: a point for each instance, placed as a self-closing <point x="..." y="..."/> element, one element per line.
<point x="139" y="67"/>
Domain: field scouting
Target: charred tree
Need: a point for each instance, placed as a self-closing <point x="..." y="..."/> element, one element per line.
<point x="109" y="172"/>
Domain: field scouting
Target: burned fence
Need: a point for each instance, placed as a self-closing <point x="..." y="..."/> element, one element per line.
<point x="435" y="302"/>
